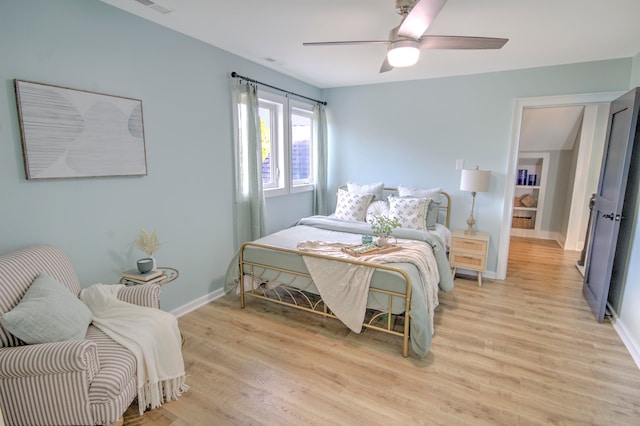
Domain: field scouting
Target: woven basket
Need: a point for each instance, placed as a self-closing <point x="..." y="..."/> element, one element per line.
<point x="522" y="222"/>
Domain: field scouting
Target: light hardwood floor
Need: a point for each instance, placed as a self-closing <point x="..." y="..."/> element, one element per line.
<point x="521" y="351"/>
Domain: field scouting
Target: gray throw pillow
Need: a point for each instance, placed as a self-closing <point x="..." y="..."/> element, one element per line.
<point x="432" y="214"/>
<point x="48" y="312"/>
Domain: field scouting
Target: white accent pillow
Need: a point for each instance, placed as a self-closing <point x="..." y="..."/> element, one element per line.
<point x="377" y="208"/>
<point x="410" y="212"/>
<point x="375" y="188"/>
<point x="407" y="191"/>
<point x="352" y="206"/>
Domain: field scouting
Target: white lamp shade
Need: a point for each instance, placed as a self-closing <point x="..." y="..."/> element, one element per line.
<point x="475" y="180"/>
<point x="403" y="53"/>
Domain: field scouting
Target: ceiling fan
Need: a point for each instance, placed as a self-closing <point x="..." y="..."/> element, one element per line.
<point x="406" y="40"/>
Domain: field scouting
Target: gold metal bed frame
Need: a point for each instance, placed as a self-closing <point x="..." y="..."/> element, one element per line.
<point x="286" y="294"/>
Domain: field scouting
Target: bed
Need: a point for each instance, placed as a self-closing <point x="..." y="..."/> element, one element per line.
<point x="310" y="267"/>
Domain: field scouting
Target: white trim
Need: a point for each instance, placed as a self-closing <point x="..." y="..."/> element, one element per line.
<point x="303" y="188"/>
<point x="197" y="303"/>
<point x="620" y="328"/>
<point x="579" y="194"/>
<point x="509" y="188"/>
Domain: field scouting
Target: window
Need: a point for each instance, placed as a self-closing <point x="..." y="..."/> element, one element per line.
<point x="271" y="133"/>
<point x="288" y="147"/>
<point x="301" y="146"/>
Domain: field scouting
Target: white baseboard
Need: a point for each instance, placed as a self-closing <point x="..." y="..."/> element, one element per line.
<point x="620" y="328"/>
<point x="195" y="304"/>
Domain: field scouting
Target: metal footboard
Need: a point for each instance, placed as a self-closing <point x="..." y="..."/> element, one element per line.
<point x="295" y="288"/>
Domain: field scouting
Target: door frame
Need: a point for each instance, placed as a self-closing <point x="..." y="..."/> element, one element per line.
<point x="514" y="147"/>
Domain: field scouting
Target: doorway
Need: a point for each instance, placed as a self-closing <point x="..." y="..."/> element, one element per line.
<point x="551" y="139"/>
<point x="581" y="174"/>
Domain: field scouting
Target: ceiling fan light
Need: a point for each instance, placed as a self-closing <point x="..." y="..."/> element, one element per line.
<point x="403" y="53"/>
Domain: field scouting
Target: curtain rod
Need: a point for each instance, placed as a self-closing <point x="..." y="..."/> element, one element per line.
<point x="236" y="75"/>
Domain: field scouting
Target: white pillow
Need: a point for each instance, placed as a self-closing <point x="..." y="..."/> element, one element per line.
<point x="407" y="191"/>
<point x="410" y="212"/>
<point x="375" y="188"/>
<point x="352" y="206"/>
<point x="377" y="208"/>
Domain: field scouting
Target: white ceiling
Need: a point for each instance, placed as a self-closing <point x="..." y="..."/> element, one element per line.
<point x="540" y="33"/>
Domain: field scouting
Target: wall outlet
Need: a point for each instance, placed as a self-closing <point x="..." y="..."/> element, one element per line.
<point x="459" y="164"/>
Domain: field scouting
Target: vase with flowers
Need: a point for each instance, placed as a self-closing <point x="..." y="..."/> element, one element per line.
<point x="382" y="227"/>
<point x="148" y="243"/>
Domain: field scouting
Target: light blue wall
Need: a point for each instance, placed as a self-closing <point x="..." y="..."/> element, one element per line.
<point x="411" y="133"/>
<point x="187" y="195"/>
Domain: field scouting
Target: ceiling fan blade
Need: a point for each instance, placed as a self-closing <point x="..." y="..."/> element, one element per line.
<point x="386" y="66"/>
<point x="461" y="42"/>
<point x="419" y="18"/>
<point x="344" y="43"/>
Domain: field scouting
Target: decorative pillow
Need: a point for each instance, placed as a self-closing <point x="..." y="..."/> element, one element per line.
<point x="406" y="191"/>
<point x="377" y="208"/>
<point x="411" y="212"/>
<point x="48" y="312"/>
<point x="352" y="206"/>
<point x="433" y="212"/>
<point x="375" y="188"/>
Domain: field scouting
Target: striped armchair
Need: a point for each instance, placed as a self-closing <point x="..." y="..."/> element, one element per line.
<point x="75" y="382"/>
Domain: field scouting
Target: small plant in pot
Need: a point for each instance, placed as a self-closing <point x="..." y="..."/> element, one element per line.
<point x="148" y="243"/>
<point x="382" y="226"/>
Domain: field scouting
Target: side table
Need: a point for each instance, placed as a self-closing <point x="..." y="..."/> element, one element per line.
<point x="469" y="251"/>
<point x="170" y="275"/>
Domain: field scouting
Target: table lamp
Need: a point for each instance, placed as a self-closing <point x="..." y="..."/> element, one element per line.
<point x="474" y="181"/>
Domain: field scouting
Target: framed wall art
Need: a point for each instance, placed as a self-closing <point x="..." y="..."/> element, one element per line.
<point x="68" y="133"/>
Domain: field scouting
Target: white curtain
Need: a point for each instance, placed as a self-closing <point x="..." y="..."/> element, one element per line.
<point x="320" y="196"/>
<point x="248" y="162"/>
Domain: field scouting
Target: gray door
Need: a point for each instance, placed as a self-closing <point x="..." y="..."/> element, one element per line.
<point x="607" y="211"/>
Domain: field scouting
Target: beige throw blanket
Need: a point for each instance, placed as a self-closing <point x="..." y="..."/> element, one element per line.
<point x="344" y="287"/>
<point x="150" y="334"/>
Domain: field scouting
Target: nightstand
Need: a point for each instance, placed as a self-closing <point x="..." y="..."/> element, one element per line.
<point x="469" y="251"/>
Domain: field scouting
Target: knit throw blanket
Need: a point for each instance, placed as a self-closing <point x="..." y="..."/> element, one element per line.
<point x="344" y="287"/>
<point x="150" y="334"/>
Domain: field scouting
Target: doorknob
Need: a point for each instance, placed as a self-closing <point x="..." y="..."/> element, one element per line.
<point x="609" y="216"/>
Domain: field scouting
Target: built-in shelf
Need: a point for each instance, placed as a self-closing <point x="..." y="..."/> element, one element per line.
<point x="527" y="219"/>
